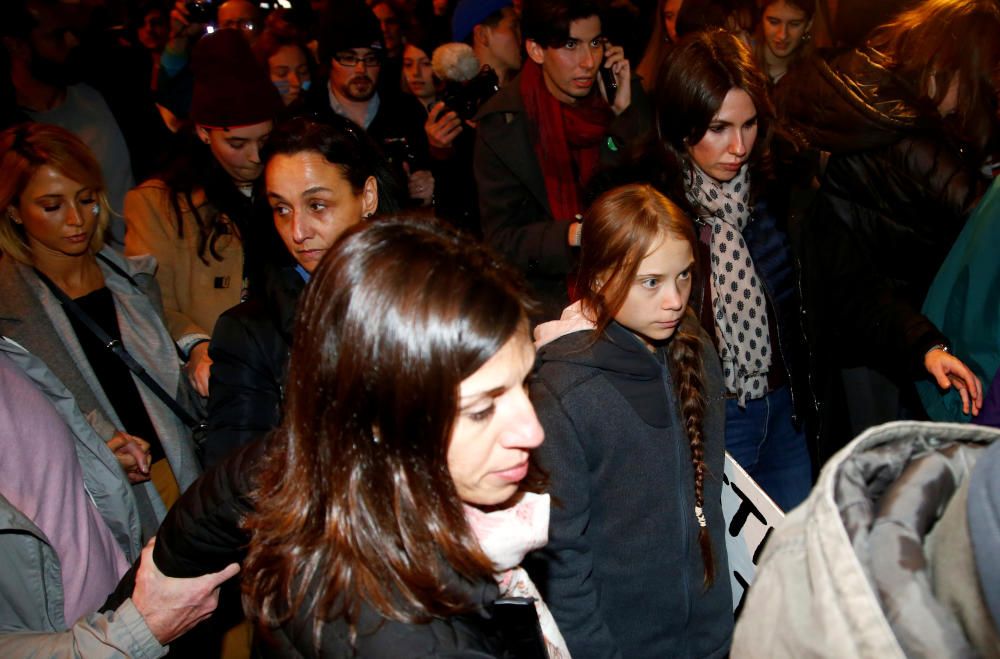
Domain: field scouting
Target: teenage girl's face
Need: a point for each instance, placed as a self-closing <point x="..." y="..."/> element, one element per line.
<point x="496" y="428"/>
<point x="238" y="149"/>
<point x="289" y="72"/>
<point x="659" y="293"/>
<point x="784" y="26"/>
<point x="418" y="73"/>
<point x="313" y="203"/>
<point x="670" y="10"/>
<point x="730" y="137"/>
<point x="59" y="215"/>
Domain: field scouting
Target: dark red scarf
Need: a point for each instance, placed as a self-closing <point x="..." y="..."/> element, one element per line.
<point x="567" y="141"/>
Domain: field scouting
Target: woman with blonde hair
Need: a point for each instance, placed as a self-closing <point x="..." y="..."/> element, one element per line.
<point x="91" y="315"/>
<point x="629" y="391"/>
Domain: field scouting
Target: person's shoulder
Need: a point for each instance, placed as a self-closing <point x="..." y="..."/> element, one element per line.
<point x="153" y="188"/>
<point x="566" y="363"/>
<point x="238" y="324"/>
<point x="14" y="278"/>
<point x="131" y="266"/>
<point x="156" y="191"/>
<point x="84" y="91"/>
<point x="506" y="101"/>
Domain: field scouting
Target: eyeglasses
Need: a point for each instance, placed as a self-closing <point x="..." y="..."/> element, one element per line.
<point x="350" y="59"/>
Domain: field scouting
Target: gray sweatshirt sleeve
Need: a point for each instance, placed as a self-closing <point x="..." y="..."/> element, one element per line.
<point x="119" y="633"/>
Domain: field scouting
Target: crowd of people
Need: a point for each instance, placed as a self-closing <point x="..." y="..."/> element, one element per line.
<point x="426" y="328"/>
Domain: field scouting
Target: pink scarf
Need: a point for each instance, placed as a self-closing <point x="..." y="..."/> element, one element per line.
<point x="506" y="536"/>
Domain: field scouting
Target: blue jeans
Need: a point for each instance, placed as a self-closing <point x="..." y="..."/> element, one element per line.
<point x="763" y="440"/>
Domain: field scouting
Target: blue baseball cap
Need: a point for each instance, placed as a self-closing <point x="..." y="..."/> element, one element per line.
<point x="470" y="13"/>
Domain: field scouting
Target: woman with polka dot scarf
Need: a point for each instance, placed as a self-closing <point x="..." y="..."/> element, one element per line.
<point x="714" y="119"/>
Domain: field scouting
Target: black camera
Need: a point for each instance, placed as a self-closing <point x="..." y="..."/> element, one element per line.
<point x="465" y="98"/>
<point x="397" y="151"/>
<point x="201" y="11"/>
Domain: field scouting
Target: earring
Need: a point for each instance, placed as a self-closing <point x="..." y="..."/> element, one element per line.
<point x="368" y="215"/>
<point x="806" y="37"/>
<point x="12" y="217"/>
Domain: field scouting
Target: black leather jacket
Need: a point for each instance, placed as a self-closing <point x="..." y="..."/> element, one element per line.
<point x="894" y="196"/>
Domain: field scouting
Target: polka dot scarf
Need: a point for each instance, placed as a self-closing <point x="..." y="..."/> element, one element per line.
<point x="737" y="293"/>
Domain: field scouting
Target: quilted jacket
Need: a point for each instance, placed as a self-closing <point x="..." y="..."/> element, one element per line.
<point x="849" y="572"/>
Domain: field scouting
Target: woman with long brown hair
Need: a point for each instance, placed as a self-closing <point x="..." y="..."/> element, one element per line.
<point x="399" y="488"/>
<point x="909" y="121"/>
<point x="630" y="397"/>
<point x="715" y="123"/>
<point x="202" y="217"/>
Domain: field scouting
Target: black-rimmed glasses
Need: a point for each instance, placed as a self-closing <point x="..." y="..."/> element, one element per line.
<point x="351" y="59"/>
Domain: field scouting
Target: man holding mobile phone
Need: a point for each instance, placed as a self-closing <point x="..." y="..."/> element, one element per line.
<point x="542" y="137"/>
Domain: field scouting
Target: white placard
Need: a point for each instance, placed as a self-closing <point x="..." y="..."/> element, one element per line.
<point x="750" y="518"/>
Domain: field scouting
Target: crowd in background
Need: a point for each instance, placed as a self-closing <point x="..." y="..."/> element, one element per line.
<point x="436" y="319"/>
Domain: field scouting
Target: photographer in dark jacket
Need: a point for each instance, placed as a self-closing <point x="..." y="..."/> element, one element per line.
<point x="321" y="178"/>
<point x="906" y="121"/>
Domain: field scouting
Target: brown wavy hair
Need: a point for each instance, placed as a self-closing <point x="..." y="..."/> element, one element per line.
<point x="936" y="39"/>
<point x="619" y="229"/>
<point x="355" y="503"/>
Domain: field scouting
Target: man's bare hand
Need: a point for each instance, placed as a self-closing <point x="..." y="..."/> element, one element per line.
<point x="614" y="59"/>
<point x="171" y="606"/>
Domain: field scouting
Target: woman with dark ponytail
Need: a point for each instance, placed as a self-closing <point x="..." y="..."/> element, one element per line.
<point x="629" y="390"/>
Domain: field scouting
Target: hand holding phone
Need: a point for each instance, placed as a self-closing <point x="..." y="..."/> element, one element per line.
<point x="616" y="78"/>
<point x="610" y="84"/>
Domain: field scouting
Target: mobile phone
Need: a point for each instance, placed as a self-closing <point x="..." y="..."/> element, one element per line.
<point x="610" y="84"/>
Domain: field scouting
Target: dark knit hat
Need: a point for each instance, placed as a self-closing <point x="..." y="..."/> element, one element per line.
<point x="230" y="87"/>
<point x="353" y="26"/>
<point x="470" y="13"/>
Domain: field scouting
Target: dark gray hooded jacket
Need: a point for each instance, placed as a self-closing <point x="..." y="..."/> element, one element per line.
<point x="623" y="572"/>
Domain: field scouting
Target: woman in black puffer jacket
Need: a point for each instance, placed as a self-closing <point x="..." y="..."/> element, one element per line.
<point x="907" y="122"/>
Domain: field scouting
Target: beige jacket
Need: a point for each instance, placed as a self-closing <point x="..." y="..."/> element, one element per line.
<point x="846" y="573"/>
<point x="195" y="293"/>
